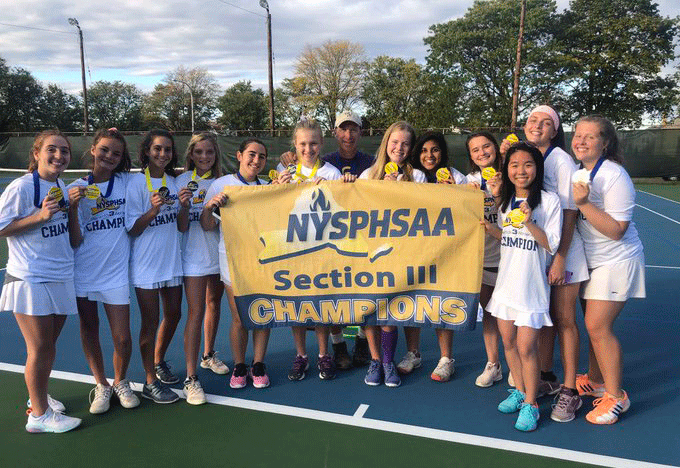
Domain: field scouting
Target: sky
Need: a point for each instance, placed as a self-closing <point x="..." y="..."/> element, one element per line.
<point x="140" y="41"/>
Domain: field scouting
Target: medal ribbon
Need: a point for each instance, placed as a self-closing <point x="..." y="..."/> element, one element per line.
<point x="547" y="153"/>
<point x="148" y="180"/>
<point x="36" y="191"/>
<point x="596" y="168"/>
<point x="109" y="188"/>
<point x="245" y="182"/>
<point x="204" y="176"/>
<point x="298" y="172"/>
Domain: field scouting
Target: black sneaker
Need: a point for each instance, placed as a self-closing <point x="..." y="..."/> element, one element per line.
<point x="361" y="355"/>
<point x="341" y="356"/>
<point x="300" y="366"/>
<point x="159" y="393"/>
<point x="326" y="367"/>
<point x="164" y="373"/>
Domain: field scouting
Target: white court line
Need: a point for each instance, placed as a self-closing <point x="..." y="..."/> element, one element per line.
<point x="663" y="216"/>
<point x="659" y="196"/>
<point x="396" y="428"/>
<point x="361" y="410"/>
<point x="663" y="266"/>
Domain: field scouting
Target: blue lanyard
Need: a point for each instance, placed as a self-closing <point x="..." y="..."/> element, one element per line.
<point x="514" y="204"/>
<point x="483" y="185"/>
<point x="36" y="191"/>
<point x="245" y="182"/>
<point x="547" y="153"/>
<point x="596" y="168"/>
<point x="109" y="189"/>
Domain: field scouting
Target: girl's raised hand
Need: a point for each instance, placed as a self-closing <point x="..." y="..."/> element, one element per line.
<point x="48" y="208"/>
<point x="526" y="209"/>
<point x="284" y="178"/>
<point x="318" y="180"/>
<point x="347" y="177"/>
<point x="217" y="201"/>
<point x="581" y="191"/>
<point x="393" y="176"/>
<point x="505" y="146"/>
<point x="156" y="201"/>
<point x="494" y="184"/>
<point x="75" y="194"/>
<point x="184" y="196"/>
<point x="474" y="185"/>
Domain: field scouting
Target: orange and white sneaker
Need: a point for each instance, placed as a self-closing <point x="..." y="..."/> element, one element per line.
<point x="608" y="408"/>
<point x="587" y="387"/>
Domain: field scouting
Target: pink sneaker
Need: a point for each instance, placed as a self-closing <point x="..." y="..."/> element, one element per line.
<point x="239" y="376"/>
<point x="259" y="375"/>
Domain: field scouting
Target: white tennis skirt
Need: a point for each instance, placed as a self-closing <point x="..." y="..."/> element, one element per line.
<point x="22" y="297"/>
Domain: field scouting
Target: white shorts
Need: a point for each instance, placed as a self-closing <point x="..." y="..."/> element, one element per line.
<point x="172" y="282"/>
<point x="116" y="296"/>
<point x="224" y="270"/>
<point x="489" y="276"/>
<point x="617" y="281"/>
<point x="22" y="297"/>
<point x="575" y="265"/>
<point x="520" y="318"/>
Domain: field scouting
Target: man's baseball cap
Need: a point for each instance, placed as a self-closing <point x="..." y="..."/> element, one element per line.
<point x="347" y="116"/>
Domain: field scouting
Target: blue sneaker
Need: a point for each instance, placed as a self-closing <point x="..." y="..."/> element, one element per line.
<point x="528" y="418"/>
<point x="512" y="403"/>
<point x="391" y="377"/>
<point x="374" y="374"/>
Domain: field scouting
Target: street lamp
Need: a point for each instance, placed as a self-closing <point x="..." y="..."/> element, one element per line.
<point x="191" y="95"/>
<point x="74" y="22"/>
<point x="265" y="5"/>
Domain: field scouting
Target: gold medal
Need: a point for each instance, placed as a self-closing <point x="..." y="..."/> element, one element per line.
<point x="164" y="192"/>
<point x="192" y="185"/>
<point x="273" y="174"/>
<point x="346" y="169"/>
<point x="292" y="168"/>
<point x="488" y="173"/>
<point x="581" y="175"/>
<point x="516" y="217"/>
<point x="512" y="138"/>
<point x="391" y="168"/>
<point x="56" y="193"/>
<point x="92" y="192"/>
<point x="443" y="173"/>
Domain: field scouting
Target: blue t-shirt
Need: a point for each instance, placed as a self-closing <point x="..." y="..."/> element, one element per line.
<point x="358" y="164"/>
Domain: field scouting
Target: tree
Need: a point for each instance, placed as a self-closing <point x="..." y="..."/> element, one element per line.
<point x="20" y="100"/>
<point x="59" y="109"/>
<point x="478" y="53"/>
<point x="329" y="78"/>
<point x="615" y="51"/>
<point x="243" y="108"/>
<point x="115" y="104"/>
<point x="169" y="104"/>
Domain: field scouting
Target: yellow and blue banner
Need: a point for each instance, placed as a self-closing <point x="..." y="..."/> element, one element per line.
<point x="369" y="253"/>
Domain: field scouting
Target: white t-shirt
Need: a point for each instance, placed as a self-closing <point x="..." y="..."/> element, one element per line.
<point x="199" y="247"/>
<point x="558" y="167"/>
<point x="216" y="187"/>
<point x="327" y="171"/>
<point x="458" y="177"/>
<point x="101" y="261"/>
<point x="155" y="253"/>
<point x="613" y="192"/>
<point x="418" y="175"/>
<point x="43" y="253"/>
<point x="522" y="282"/>
<point x="492" y="246"/>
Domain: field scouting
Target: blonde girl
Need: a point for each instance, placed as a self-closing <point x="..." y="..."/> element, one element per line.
<point x="200" y="262"/>
<point x="38" y="284"/>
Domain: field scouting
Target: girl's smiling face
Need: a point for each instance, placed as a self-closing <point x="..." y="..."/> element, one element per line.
<point x="521" y="170"/>
<point x="107" y="154"/>
<point x="160" y="152"/>
<point x="252" y="160"/>
<point x="588" y="143"/>
<point x="203" y="155"/>
<point x="53" y="157"/>
<point x="430" y="155"/>
<point x="540" y="129"/>
<point x="398" y="146"/>
<point x="482" y="151"/>
<point x="307" y="145"/>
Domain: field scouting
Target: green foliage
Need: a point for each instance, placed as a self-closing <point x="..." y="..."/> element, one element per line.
<point x="615" y="51"/>
<point x="243" y="108"/>
<point x="115" y="104"/>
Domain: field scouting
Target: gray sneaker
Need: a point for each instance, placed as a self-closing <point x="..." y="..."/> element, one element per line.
<point x="565" y="406"/>
<point x="546" y="387"/>
<point x="159" y="393"/>
<point x="164" y="374"/>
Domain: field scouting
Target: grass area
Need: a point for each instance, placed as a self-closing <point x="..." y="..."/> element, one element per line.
<point x="212" y="435"/>
<point x="666" y="189"/>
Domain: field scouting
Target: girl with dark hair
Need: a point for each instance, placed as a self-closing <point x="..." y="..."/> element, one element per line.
<point x="101" y="274"/>
<point x="155" y="261"/>
<point x="530" y="221"/>
<point x="568" y="268"/>
<point x="431" y="153"/>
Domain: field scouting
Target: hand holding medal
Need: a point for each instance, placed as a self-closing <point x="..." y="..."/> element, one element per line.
<point x="443" y="176"/>
<point x="391" y="171"/>
<point x="492" y="180"/>
<point x="184" y="196"/>
<point x="75" y="194"/>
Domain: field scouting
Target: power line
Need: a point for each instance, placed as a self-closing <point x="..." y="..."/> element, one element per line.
<point x="37" y="29"/>
<point x="241" y="8"/>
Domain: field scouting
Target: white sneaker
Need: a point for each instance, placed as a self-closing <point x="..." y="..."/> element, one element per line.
<point x="409" y="362"/>
<point x="444" y="370"/>
<point x="125" y="395"/>
<point x="51" y="421"/>
<point x="215" y="364"/>
<point x="511" y="381"/>
<point x="56" y="405"/>
<point x="492" y="374"/>
<point x="102" y="399"/>
<point x="193" y="391"/>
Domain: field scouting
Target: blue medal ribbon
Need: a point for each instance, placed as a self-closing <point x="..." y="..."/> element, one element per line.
<point x="245" y="182"/>
<point x="547" y="152"/>
<point x="109" y="189"/>
<point x="596" y="168"/>
<point x="514" y="204"/>
<point x="36" y="191"/>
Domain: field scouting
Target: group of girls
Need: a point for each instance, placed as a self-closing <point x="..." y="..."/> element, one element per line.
<point x="550" y="237"/>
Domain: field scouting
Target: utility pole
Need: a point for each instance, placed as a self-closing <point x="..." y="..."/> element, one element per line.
<point x="518" y="65"/>
<point x="74" y="22"/>
<point x="191" y="95"/>
<point x="265" y="5"/>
